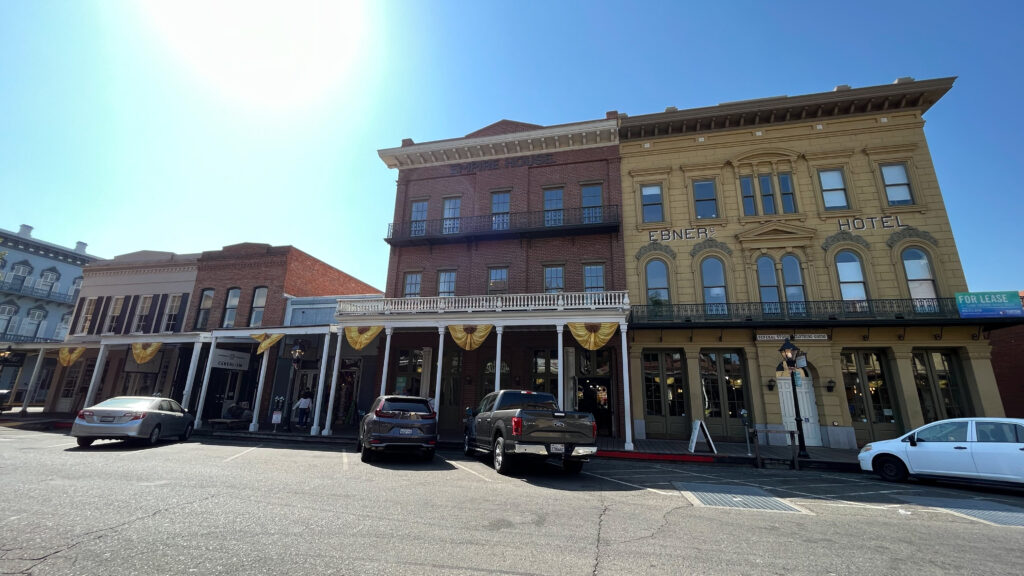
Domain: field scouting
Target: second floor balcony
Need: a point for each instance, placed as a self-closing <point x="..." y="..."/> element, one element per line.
<point x="890" y="312"/>
<point x="561" y="222"/>
<point x="483" y="303"/>
<point x="22" y="288"/>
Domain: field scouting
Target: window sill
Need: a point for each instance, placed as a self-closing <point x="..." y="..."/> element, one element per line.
<point x="905" y="208"/>
<point x="795" y="217"/>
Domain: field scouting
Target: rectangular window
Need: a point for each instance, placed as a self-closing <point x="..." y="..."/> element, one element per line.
<point x="897" y="185"/>
<point x="747" y="190"/>
<point x="114" y="315"/>
<point x="833" y="189"/>
<point x="170" y="323"/>
<point x="704" y="199"/>
<point x="593" y="278"/>
<point x="418" y="218"/>
<point x="87" y="311"/>
<point x="590" y="199"/>
<point x="452" y="222"/>
<point x="497" y="281"/>
<point x="786" y="190"/>
<point x="139" y="324"/>
<point x="205" y="303"/>
<point x="231" y="307"/>
<point x="446" y="283"/>
<point x="553" y="215"/>
<point x="650" y="198"/>
<point x="500" y="210"/>
<point x="412" y="285"/>
<point x="554" y="279"/>
<point x="767" y="193"/>
<point x="259" y="303"/>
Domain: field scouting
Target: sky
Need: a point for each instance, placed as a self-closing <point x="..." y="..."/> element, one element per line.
<point x="187" y="126"/>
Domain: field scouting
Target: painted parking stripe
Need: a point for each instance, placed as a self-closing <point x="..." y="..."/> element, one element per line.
<point x="65" y="444"/>
<point x="243" y="453"/>
<point x="466" y="468"/>
<point x="662" y="492"/>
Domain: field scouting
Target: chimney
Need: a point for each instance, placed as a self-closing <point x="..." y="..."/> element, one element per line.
<point x="611" y="114"/>
<point x="80" y="247"/>
<point x="407" y="142"/>
<point x="904" y="80"/>
<point x="25" y="231"/>
<point x="841" y="88"/>
<point x="671" y="109"/>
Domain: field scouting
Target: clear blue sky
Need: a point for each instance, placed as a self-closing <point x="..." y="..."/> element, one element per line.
<point x="186" y="126"/>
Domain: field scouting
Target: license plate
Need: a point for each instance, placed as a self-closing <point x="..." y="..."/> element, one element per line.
<point x="409" y="431"/>
<point x="557" y="448"/>
<point x="107" y="419"/>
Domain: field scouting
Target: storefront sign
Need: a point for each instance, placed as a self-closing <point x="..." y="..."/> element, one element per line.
<point x="517" y="162"/>
<point x="781" y="337"/>
<point x="230" y="360"/>
<point x="988" y="304"/>
<point x="870" y="223"/>
<point x="681" y="234"/>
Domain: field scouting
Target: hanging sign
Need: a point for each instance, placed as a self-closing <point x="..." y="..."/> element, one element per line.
<point x="230" y="359"/>
<point x="988" y="304"/>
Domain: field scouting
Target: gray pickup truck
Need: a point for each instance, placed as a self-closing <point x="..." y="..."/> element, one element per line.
<point x="518" y="423"/>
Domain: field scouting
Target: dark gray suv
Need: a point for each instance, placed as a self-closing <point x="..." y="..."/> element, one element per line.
<point x="399" y="424"/>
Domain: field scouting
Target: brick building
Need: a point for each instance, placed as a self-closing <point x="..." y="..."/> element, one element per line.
<point x="817" y="218"/>
<point x="501" y="241"/>
<point x="1008" y="365"/>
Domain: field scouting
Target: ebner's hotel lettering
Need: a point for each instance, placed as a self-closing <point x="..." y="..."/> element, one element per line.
<point x="870" y="223"/>
<point x="681" y="234"/>
<point x="517" y="162"/>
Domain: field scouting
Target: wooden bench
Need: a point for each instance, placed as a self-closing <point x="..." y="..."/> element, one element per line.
<point x="229" y="423"/>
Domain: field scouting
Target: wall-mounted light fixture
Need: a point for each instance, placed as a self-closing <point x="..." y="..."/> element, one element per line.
<point x="771" y="384"/>
<point x="830" y="385"/>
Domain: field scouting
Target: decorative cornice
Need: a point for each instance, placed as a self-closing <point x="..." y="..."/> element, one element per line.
<point x="710" y="244"/>
<point x="844" y="236"/>
<point x="655" y="247"/>
<point x="910" y="232"/>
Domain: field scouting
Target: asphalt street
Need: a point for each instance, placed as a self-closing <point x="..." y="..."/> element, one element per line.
<point x="207" y="507"/>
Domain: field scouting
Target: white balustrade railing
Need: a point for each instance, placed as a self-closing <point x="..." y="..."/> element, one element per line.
<point x="487" y="303"/>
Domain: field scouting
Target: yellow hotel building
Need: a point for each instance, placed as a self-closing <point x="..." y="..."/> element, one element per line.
<point x="817" y="218"/>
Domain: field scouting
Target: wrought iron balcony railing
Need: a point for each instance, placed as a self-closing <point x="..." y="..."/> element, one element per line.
<point x="18" y="287"/>
<point x="486" y="303"/>
<point x="806" y="312"/>
<point x="564" y="221"/>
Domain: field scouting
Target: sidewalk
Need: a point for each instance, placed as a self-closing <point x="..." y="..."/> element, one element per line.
<point x="612" y="448"/>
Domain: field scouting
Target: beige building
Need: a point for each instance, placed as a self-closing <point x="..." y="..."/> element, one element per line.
<point x="817" y="218"/>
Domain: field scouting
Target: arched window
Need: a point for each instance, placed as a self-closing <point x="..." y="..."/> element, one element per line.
<point x="793" y="281"/>
<point x="920" y="280"/>
<point x="231" y="307"/>
<point x="657" y="283"/>
<point x="259" y="302"/>
<point x="768" y="285"/>
<point x="851" y="281"/>
<point x="712" y="273"/>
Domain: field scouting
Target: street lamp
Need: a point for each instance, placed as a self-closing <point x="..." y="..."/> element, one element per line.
<point x="298" y="351"/>
<point x="790" y="352"/>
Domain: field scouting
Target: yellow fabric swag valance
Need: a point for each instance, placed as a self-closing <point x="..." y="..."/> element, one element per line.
<point x="592" y="335"/>
<point x="470" y="336"/>
<point x="144" y="352"/>
<point x="266" y="341"/>
<point x="68" y="356"/>
<point x="359" y="336"/>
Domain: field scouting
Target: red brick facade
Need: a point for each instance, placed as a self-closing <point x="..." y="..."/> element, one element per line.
<point x="1008" y="365"/>
<point x="281" y="269"/>
<point x="525" y="258"/>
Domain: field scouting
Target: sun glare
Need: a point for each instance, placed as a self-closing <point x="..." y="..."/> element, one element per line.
<point x="283" y="56"/>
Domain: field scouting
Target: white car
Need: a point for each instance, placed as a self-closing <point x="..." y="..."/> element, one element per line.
<point x="145" y="418"/>
<point x="988" y="450"/>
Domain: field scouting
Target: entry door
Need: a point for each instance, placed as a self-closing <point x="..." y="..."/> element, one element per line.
<point x="870" y="396"/>
<point x="940" y="388"/>
<point x="723" y="384"/>
<point x="808" y="408"/>
<point x="665" y="395"/>
<point x="450" y="413"/>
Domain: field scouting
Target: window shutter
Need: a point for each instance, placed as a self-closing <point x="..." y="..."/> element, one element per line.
<point x="41" y="332"/>
<point x="28" y="282"/>
<point x="156" y="312"/>
<point x="78" y="314"/>
<point x="13" y="327"/>
<point x="124" y="324"/>
<point x="180" y="320"/>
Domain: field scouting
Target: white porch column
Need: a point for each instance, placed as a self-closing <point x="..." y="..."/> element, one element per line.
<point x="561" y="369"/>
<point x="206" y="383"/>
<point x="314" y="429"/>
<point x="497" y="361"/>
<point x="387" y="359"/>
<point x="255" y="426"/>
<point x="334" y="386"/>
<point x="625" y="388"/>
<point x="97" y="373"/>
<point x="440" y="364"/>
<point x="32" y="381"/>
<point x="186" y="395"/>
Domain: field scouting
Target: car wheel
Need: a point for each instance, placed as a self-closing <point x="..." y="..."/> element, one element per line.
<point x="572" y="466"/>
<point x="428" y="455"/>
<point x="890" y="468"/>
<point x="186" y="434"/>
<point x="154" y="436"/>
<point x="467" y="448"/>
<point x="85" y="442"/>
<point x="367" y="454"/>
<point x="502" y="461"/>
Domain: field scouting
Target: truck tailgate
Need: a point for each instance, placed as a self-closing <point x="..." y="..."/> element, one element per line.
<point x="542" y="426"/>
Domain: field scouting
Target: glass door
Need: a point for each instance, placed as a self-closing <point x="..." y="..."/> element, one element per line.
<point x="870" y="397"/>
<point x="939" y="386"/>
<point x="724" y="383"/>
<point x="665" y="395"/>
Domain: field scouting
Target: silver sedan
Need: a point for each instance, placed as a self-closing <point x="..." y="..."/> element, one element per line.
<point x="133" y="417"/>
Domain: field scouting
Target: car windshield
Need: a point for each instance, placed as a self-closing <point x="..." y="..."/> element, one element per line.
<point x="127" y="403"/>
<point x="524" y="401"/>
<point x="404" y="405"/>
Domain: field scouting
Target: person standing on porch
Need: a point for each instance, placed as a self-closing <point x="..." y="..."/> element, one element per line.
<point x="303" y="405"/>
